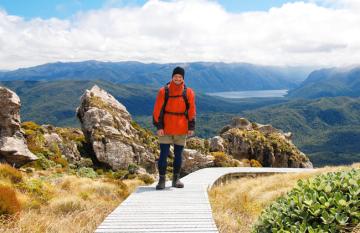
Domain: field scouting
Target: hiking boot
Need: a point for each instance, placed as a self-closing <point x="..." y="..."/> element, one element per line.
<point x="161" y="184"/>
<point x="176" y="181"/>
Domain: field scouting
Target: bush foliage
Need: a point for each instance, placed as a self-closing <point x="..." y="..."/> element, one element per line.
<point x="327" y="203"/>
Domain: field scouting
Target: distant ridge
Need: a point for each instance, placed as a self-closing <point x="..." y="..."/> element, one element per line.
<point x="329" y="83"/>
<point x="202" y="76"/>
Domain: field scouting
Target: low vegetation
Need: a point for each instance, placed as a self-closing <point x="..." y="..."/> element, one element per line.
<point x="326" y="203"/>
<point x="238" y="205"/>
<point x="60" y="200"/>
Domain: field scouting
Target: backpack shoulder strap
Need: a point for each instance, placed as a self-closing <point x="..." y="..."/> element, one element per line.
<point x="166" y="88"/>
<point x="184" y="94"/>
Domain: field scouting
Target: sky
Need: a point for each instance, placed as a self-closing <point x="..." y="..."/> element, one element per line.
<point x="264" y="32"/>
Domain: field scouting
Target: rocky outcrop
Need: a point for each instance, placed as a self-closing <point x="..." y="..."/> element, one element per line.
<point x="194" y="160"/>
<point x="217" y="144"/>
<point x="13" y="148"/>
<point x="115" y="139"/>
<point x="270" y="146"/>
<point x="67" y="139"/>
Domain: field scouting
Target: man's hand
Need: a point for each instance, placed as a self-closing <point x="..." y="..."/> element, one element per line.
<point x="190" y="133"/>
<point x="160" y="132"/>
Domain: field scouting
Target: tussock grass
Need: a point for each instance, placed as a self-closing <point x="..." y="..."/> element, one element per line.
<point x="9" y="203"/>
<point x="51" y="202"/>
<point x="8" y="172"/>
<point x="238" y="204"/>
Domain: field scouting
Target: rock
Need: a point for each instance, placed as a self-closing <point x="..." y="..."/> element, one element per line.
<point x="109" y="129"/>
<point x="64" y="138"/>
<point x="216" y="144"/>
<point x="13" y="148"/>
<point x="267" y="129"/>
<point x="199" y="144"/>
<point x="264" y="143"/>
<point x="194" y="160"/>
<point x="241" y="123"/>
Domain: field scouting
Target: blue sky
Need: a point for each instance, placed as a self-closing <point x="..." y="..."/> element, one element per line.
<point x="66" y="8"/>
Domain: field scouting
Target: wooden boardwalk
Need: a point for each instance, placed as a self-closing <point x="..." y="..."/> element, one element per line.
<point x="176" y="210"/>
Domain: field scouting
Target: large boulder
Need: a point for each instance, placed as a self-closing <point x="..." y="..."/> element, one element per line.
<point x="115" y="139"/>
<point x="13" y="148"/>
<point x="270" y="146"/>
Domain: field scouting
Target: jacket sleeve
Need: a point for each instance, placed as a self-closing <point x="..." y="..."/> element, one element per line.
<point x="157" y="109"/>
<point x="192" y="110"/>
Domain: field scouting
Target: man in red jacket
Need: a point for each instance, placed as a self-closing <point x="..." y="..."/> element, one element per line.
<point x="174" y="117"/>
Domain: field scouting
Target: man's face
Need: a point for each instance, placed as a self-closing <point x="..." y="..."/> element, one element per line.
<point x="178" y="79"/>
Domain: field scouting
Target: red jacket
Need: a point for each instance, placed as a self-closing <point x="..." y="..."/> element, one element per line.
<point x="175" y="124"/>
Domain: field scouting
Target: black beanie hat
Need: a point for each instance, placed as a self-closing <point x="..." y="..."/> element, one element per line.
<point x="179" y="70"/>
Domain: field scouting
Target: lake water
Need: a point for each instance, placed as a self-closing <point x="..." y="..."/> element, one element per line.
<point x="250" y="94"/>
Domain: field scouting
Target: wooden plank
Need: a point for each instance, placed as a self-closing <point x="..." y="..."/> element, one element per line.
<point x="172" y="209"/>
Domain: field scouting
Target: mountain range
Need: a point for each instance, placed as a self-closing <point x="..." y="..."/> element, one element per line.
<point x="202" y="76"/>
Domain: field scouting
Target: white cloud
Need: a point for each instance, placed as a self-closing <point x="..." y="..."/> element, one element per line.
<point x="192" y="30"/>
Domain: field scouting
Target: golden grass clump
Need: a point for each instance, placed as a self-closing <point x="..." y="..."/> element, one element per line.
<point x="8" y="172"/>
<point x="73" y="204"/>
<point x="67" y="204"/>
<point x="9" y="203"/>
<point x="238" y="204"/>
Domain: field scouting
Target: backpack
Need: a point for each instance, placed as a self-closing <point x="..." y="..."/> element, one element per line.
<point x="167" y="96"/>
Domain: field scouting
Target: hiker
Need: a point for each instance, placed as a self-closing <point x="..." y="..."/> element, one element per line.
<point x="174" y="117"/>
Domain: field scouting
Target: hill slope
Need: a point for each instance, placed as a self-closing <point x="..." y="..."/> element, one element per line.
<point x="329" y="83"/>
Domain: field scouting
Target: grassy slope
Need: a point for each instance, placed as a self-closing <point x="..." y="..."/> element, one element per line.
<point x="61" y="202"/>
<point x="238" y="204"/>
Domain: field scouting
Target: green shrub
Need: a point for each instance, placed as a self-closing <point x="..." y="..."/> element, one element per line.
<point x="8" y="172"/>
<point x="85" y="162"/>
<point x="37" y="188"/>
<point x="120" y="174"/>
<point x="87" y="172"/>
<point x="42" y="163"/>
<point x="9" y="204"/>
<point x="60" y="160"/>
<point x="132" y="168"/>
<point x="327" y="203"/>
